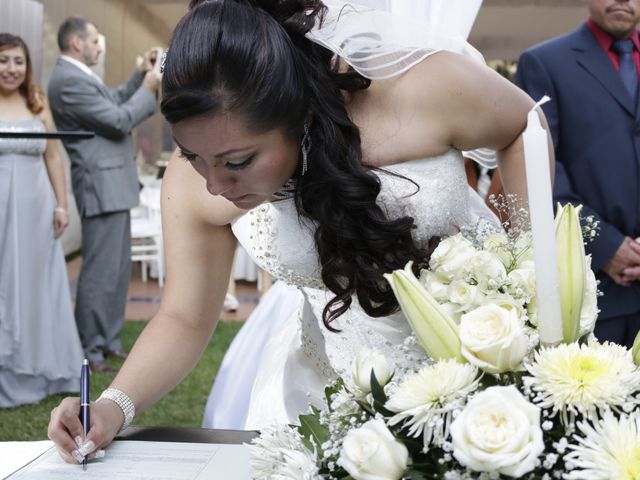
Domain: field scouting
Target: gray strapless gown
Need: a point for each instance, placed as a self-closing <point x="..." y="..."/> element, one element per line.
<point x="40" y="352"/>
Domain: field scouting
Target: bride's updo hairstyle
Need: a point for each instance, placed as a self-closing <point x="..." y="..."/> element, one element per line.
<point x="251" y="57"/>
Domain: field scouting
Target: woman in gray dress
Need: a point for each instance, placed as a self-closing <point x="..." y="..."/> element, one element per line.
<point x="40" y="352"/>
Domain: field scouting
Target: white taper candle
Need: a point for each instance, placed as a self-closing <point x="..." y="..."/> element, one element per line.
<point x="536" y="155"/>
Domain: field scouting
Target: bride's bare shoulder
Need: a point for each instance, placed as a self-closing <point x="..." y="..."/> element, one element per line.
<point x="443" y="75"/>
<point x="184" y="194"/>
<point x="401" y="118"/>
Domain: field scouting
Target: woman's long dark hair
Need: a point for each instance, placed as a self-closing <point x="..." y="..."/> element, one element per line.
<point x="33" y="95"/>
<point x="252" y="57"/>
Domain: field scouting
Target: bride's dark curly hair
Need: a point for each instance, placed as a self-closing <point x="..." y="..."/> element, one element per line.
<point x="252" y="57"/>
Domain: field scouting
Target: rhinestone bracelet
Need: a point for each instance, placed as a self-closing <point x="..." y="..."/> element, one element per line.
<point x="123" y="401"/>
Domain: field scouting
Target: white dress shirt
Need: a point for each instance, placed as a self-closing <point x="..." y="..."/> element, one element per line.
<point x="81" y="66"/>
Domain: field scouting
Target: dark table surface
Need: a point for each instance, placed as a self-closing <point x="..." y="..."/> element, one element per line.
<point x="189" y="435"/>
<point x="67" y="135"/>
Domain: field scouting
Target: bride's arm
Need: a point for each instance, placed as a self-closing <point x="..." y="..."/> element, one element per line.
<point x="199" y="249"/>
<point x="476" y="107"/>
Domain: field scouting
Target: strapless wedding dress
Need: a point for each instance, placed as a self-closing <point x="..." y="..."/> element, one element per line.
<point x="284" y="356"/>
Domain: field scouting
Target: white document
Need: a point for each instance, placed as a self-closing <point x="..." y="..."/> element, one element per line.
<point x="130" y="459"/>
<point x="13" y="455"/>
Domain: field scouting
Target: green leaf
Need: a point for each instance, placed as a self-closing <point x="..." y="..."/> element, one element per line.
<point x="332" y="389"/>
<point x="311" y="428"/>
<point x="366" y="407"/>
<point x="487" y="380"/>
<point x="380" y="408"/>
<point x="377" y="391"/>
<point x="413" y="474"/>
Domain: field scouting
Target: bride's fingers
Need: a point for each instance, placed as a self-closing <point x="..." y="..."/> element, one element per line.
<point x="64" y="426"/>
<point x="97" y="455"/>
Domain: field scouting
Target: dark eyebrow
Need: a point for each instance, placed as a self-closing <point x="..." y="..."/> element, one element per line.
<point x="226" y="153"/>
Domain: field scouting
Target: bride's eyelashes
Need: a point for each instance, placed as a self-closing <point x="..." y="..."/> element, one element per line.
<point x="191" y="157"/>
<point x="241" y="165"/>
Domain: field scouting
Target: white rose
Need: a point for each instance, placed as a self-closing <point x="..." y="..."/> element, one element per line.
<point x="371" y="452"/>
<point x="465" y="295"/>
<point x="451" y="256"/>
<point x="507" y="302"/>
<point x="492" y="338"/>
<point x="365" y="361"/>
<point x="498" y="243"/>
<point x="434" y="285"/>
<point x="589" y="312"/>
<point x="522" y="281"/>
<point x="498" y="430"/>
<point x="487" y="269"/>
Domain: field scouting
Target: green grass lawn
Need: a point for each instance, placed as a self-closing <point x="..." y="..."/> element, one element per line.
<point x="184" y="406"/>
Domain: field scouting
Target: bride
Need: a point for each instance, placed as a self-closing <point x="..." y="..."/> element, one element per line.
<point x="327" y="178"/>
<point x="228" y="403"/>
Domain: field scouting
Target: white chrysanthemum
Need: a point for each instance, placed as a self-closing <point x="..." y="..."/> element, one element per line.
<point x="585" y="379"/>
<point x="280" y="454"/>
<point x="426" y="400"/>
<point x="609" y="449"/>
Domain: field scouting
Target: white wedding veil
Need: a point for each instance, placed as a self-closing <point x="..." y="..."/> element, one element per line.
<point x="381" y="44"/>
<point x="381" y="39"/>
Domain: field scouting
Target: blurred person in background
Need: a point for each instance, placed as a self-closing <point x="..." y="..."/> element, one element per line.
<point x="104" y="175"/>
<point x="39" y="346"/>
<point x="591" y="76"/>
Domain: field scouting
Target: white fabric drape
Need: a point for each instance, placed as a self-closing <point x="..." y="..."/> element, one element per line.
<point x="451" y="16"/>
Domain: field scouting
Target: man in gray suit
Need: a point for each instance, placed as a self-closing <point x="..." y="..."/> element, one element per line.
<point x="104" y="177"/>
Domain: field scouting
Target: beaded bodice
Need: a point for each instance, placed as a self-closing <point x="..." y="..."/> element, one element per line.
<point x="22" y="146"/>
<point x="434" y="192"/>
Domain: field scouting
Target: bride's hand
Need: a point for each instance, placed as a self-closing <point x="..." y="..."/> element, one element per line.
<point x="66" y="431"/>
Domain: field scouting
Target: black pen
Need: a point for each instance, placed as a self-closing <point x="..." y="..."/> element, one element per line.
<point x="84" y="403"/>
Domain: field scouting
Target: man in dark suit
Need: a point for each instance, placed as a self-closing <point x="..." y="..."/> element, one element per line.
<point x="591" y="76"/>
<point x="104" y="178"/>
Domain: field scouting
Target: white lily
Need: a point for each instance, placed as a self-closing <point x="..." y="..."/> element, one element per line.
<point x="635" y="350"/>
<point x="571" y="269"/>
<point x="434" y="328"/>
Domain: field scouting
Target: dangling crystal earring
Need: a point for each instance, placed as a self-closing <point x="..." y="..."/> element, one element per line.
<point x="163" y="64"/>
<point x="305" y="147"/>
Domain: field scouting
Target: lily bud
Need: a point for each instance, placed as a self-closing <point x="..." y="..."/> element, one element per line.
<point x="635" y="350"/>
<point x="571" y="269"/>
<point x="434" y="328"/>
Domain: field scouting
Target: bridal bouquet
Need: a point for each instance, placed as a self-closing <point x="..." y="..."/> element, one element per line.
<point x="491" y="402"/>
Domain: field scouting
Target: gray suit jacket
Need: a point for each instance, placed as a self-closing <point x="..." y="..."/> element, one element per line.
<point x="103" y="169"/>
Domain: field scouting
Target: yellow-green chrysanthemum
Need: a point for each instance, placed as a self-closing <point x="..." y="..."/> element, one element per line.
<point x="425" y="400"/>
<point x="585" y="379"/>
<point x="608" y="449"/>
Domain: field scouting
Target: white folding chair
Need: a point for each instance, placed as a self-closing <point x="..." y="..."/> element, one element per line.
<point x="146" y="234"/>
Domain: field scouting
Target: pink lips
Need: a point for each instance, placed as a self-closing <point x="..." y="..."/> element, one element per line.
<point x="236" y="199"/>
<point x="618" y="9"/>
